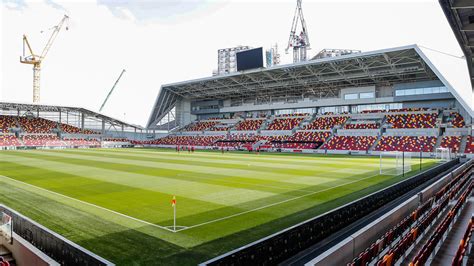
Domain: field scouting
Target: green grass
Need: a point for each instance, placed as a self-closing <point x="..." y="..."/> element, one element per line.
<point x="224" y="200"/>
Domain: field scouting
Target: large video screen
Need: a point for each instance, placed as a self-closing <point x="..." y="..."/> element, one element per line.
<point x="250" y="59"/>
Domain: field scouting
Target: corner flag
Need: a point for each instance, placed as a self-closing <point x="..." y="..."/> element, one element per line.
<point x="173" y="204"/>
<point x="173" y="201"/>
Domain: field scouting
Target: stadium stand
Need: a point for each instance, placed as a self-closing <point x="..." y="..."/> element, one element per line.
<point x="393" y="245"/>
<point x="187" y="140"/>
<point x="355" y="143"/>
<point x="36" y="125"/>
<point x="7" y="122"/>
<point x="469" y="145"/>
<point x="200" y="125"/>
<point x="287" y="123"/>
<point x="464" y="244"/>
<point x="451" y="142"/>
<point x="42" y="140"/>
<point x="427" y="249"/>
<point x="9" y="141"/>
<point x="361" y="125"/>
<point x="424" y="120"/>
<point x="310" y="136"/>
<point x="326" y="122"/>
<point x="66" y="128"/>
<point x="456" y="120"/>
<point x="249" y="125"/>
<point x="406" y="143"/>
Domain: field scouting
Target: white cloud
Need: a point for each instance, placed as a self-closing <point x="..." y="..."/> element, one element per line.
<point x="85" y="61"/>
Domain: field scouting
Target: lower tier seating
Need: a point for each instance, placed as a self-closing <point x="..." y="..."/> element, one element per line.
<point x="42" y="140"/>
<point x="361" y="143"/>
<point x="186" y="140"/>
<point x="406" y="143"/>
<point x="9" y="140"/>
<point x="451" y="142"/>
<point x="469" y="145"/>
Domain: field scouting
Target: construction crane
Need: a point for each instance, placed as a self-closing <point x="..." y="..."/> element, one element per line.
<point x="37" y="60"/>
<point x="111" y="90"/>
<point x="299" y="42"/>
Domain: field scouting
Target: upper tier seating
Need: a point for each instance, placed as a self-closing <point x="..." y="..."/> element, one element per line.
<point x="469" y="145"/>
<point x="285" y="123"/>
<point x="9" y="140"/>
<point x="456" y="120"/>
<point x="326" y="122"/>
<point x="361" y="143"/>
<point x="36" y="124"/>
<point x="250" y="125"/>
<point x="66" y="128"/>
<point x="292" y="115"/>
<point x="310" y="136"/>
<point x="6" y="122"/>
<point x="452" y="142"/>
<point x="406" y="143"/>
<point x="394" y="110"/>
<point x="412" y="120"/>
<point x="200" y="126"/>
<point x="361" y="125"/>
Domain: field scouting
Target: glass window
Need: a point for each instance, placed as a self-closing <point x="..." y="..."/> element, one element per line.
<point x="428" y="90"/>
<point x="435" y="89"/>
<point x="350" y="96"/>
<point x="419" y="91"/>
<point x="443" y="89"/>
<point x="400" y="93"/>
<point x="366" y="95"/>
<point x="410" y="92"/>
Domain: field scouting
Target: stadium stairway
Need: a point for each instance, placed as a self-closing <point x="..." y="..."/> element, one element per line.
<point x="372" y="147"/>
<point x="462" y="146"/>
<point x="426" y="235"/>
<point x="438" y="142"/>
<point x="7" y="255"/>
<point x="448" y="249"/>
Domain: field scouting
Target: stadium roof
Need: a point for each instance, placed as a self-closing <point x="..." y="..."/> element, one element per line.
<point x="58" y="108"/>
<point x="460" y="15"/>
<point x="315" y="77"/>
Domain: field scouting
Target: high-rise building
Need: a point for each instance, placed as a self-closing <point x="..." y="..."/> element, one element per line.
<point x="227" y="59"/>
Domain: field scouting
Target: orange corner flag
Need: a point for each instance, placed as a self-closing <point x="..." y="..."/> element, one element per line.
<point x="173" y="201"/>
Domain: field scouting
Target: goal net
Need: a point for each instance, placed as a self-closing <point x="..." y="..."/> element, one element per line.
<point x="395" y="163"/>
<point x="6" y="227"/>
<point x="443" y="154"/>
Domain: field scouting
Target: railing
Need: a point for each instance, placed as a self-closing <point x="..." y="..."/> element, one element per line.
<point x="287" y="243"/>
<point x="52" y="244"/>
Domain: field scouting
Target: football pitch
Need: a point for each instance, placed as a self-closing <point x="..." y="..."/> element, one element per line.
<point x="117" y="202"/>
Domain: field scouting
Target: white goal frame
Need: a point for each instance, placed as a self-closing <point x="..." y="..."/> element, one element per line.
<point x="395" y="163"/>
<point x="443" y="154"/>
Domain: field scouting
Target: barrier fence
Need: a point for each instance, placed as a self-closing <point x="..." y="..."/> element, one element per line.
<point x="52" y="244"/>
<point x="287" y="243"/>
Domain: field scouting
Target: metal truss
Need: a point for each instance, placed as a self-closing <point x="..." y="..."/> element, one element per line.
<point x="322" y="78"/>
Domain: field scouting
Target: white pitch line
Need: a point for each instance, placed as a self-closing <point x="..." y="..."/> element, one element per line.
<point x="87" y="203"/>
<point x="273" y="204"/>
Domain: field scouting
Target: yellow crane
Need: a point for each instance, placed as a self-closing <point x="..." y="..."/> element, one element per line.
<point x="36" y="60"/>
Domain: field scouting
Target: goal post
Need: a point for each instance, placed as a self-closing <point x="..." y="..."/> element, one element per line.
<point x="6" y="227"/>
<point x="395" y="163"/>
<point x="443" y="154"/>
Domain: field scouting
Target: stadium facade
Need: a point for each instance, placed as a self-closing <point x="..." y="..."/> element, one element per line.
<point x="367" y="87"/>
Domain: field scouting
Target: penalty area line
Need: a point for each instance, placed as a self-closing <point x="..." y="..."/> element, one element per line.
<point x="89" y="204"/>
<point x="275" y="203"/>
